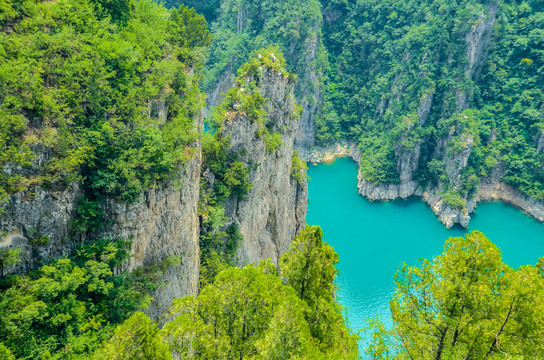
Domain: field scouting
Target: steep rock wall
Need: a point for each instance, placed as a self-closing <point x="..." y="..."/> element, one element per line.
<point x="164" y="223"/>
<point x="302" y="54"/>
<point x="275" y="208"/>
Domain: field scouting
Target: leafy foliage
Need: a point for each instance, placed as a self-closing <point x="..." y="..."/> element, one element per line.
<point x="396" y="60"/>
<point x="249" y="312"/>
<point x="244" y="26"/>
<point x="8" y="257"/>
<point x="298" y="168"/>
<point x="82" y="84"/>
<point x="137" y="338"/>
<point x="309" y="268"/>
<point x="68" y="308"/>
<point x="465" y="303"/>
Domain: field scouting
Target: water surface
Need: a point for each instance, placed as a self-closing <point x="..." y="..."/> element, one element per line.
<point x="374" y="238"/>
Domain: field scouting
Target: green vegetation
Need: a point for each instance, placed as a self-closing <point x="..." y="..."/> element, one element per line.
<point x="298" y="168"/>
<point x="390" y="59"/>
<point x="396" y="75"/>
<point x="454" y="200"/>
<point x="463" y="304"/>
<point x="240" y="27"/>
<point x="208" y="8"/>
<point x="309" y="268"/>
<point x="76" y="307"/>
<point x="67" y="308"/>
<point x="8" y="258"/>
<point x="82" y="84"/>
<point x="136" y="339"/>
<point x="251" y="313"/>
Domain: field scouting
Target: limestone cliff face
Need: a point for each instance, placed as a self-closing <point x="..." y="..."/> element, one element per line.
<point x="310" y="98"/>
<point x="478" y="40"/>
<point x="308" y="90"/>
<point x="453" y="154"/>
<point x="164" y="223"/>
<point x="38" y="213"/>
<point x="275" y="208"/>
<point x="302" y="55"/>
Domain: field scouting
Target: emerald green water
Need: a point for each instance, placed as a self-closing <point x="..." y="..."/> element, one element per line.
<point x="374" y="238"/>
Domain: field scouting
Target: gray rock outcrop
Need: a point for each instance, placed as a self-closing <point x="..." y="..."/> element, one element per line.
<point x="163" y="223"/>
<point x="275" y="208"/>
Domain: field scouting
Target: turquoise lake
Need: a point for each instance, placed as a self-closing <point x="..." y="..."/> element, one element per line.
<point x="374" y="238"/>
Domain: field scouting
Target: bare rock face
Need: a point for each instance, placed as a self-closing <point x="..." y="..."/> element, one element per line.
<point x="447" y="215"/>
<point x="34" y="214"/>
<point x="478" y="39"/>
<point x="539" y="140"/>
<point x="490" y="191"/>
<point x="309" y="92"/>
<point x="163" y="224"/>
<point x="330" y="152"/>
<point x="275" y="208"/>
<point x="225" y="82"/>
<point x="456" y="161"/>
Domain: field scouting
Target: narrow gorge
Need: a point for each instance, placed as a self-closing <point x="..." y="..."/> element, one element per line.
<point x="154" y="194"/>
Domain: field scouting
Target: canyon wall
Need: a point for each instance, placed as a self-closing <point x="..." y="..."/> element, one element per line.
<point x="274" y="210"/>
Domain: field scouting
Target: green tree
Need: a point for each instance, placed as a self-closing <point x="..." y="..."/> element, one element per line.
<point x="244" y="313"/>
<point x="67" y="308"/>
<point x="236" y="178"/>
<point x="136" y="339"/>
<point x="5" y="354"/>
<point x="309" y="268"/>
<point x="466" y="304"/>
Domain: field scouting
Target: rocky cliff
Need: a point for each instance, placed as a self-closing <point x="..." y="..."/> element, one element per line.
<point x="491" y="189"/>
<point x="452" y="146"/>
<point x="163" y="223"/>
<point x="274" y="210"/>
<point x="294" y="27"/>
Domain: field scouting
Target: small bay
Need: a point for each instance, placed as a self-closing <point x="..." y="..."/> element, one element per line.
<point x="373" y="239"/>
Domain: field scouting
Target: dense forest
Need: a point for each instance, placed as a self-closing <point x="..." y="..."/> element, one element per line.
<point x="445" y="94"/>
<point x="77" y="306"/>
<point x="110" y="95"/>
<point x="81" y="87"/>
<point x="411" y="70"/>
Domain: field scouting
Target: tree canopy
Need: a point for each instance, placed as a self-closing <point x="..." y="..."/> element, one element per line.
<point x="465" y="304"/>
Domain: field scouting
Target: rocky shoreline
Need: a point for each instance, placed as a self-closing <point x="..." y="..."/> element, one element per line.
<point x="489" y="190"/>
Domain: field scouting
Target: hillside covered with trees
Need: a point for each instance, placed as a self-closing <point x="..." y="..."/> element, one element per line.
<point x="82" y="84"/>
<point x="101" y="110"/>
<point x="440" y="95"/>
<point x="77" y="307"/>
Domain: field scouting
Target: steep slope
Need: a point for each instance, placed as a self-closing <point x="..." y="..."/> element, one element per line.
<point x="163" y="224"/>
<point x="244" y="26"/>
<point x="259" y="122"/>
<point x="107" y="130"/>
<point x="440" y="98"/>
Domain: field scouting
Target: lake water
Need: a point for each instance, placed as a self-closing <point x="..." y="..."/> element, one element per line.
<point x="374" y="238"/>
